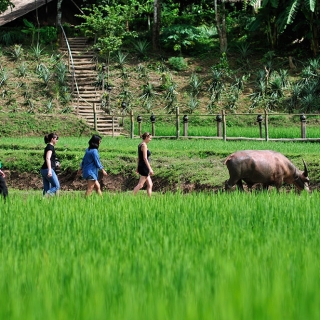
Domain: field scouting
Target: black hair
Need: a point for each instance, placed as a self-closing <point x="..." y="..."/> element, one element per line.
<point x="94" y="141"/>
<point x="50" y="136"/>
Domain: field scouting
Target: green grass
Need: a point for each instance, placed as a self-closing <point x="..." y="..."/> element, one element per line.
<point x="195" y="256"/>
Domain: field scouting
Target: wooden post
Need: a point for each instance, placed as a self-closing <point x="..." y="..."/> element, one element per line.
<point x="266" y="124"/>
<point x="112" y="126"/>
<point x="303" y="120"/>
<point x="132" y="125"/>
<point x="259" y="120"/>
<point x="219" y="125"/>
<point x="185" y="125"/>
<point x="177" y="123"/>
<point x="94" y="117"/>
<point x="153" y="120"/>
<point x="139" y="119"/>
<point x="224" y="125"/>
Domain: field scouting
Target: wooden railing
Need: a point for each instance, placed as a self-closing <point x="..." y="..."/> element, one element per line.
<point x="221" y="125"/>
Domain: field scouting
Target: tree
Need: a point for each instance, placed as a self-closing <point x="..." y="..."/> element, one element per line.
<point x="107" y="25"/>
<point x="275" y="16"/>
<point x="5" y="4"/>
<point x="59" y="13"/>
<point x="220" y="13"/>
<point x="156" y="24"/>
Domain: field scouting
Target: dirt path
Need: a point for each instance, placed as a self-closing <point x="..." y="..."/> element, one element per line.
<point x="70" y="181"/>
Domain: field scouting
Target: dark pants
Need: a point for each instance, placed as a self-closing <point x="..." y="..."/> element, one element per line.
<point x="3" y="187"/>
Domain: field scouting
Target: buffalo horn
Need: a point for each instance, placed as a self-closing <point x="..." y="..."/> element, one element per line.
<point x="305" y="169"/>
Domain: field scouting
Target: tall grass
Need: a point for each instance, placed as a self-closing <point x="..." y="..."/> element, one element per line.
<point x="195" y="256"/>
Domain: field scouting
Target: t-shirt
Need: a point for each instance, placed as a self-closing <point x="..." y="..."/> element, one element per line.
<point x="52" y="159"/>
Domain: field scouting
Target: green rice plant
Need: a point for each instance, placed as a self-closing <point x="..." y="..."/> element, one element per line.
<point x="178" y="256"/>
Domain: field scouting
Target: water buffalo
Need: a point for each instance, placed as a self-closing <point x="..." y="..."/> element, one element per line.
<point x="266" y="167"/>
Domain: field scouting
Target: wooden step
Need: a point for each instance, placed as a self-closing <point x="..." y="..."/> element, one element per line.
<point x="84" y="63"/>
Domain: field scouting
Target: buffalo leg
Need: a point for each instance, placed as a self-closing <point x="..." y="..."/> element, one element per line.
<point x="240" y="185"/>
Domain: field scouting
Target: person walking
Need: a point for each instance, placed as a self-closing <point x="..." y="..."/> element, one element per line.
<point x="91" y="165"/>
<point x="143" y="166"/>
<point x="51" y="185"/>
<point x="3" y="185"/>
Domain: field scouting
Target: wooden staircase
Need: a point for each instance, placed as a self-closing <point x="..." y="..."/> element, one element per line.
<point x="86" y="96"/>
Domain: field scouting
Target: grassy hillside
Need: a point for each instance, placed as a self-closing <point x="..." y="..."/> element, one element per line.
<point x="34" y="80"/>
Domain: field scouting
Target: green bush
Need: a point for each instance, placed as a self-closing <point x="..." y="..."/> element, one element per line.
<point x="178" y="63"/>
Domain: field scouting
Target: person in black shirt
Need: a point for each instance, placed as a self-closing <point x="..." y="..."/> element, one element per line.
<point x="50" y="180"/>
<point x="3" y="185"/>
<point x="144" y="167"/>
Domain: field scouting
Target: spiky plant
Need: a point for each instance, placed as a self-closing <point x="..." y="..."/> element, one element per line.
<point x="195" y="84"/>
<point x="3" y="77"/>
<point x="193" y="104"/>
<point x="16" y="52"/>
<point x="141" y="47"/>
<point x="121" y="58"/>
<point x="22" y="70"/>
<point x="37" y="51"/>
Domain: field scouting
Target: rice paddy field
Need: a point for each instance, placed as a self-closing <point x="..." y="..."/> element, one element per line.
<point x="174" y="256"/>
<point x="204" y="255"/>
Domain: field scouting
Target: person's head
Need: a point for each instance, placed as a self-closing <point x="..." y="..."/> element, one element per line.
<point x="51" y="138"/>
<point x="94" y="142"/>
<point x="146" y="136"/>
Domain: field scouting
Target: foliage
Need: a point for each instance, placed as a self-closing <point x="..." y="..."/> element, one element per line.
<point x="9" y="37"/>
<point x="16" y="52"/>
<point x="5" y="4"/>
<point x="141" y="47"/>
<point x="178" y="63"/>
<point x="179" y="37"/>
<point x="37" y="51"/>
<point x="108" y="25"/>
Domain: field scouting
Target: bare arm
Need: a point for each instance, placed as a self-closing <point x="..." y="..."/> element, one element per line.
<point x="48" y="162"/>
<point x="2" y="174"/>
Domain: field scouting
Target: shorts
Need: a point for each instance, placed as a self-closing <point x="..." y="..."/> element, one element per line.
<point x="91" y="178"/>
<point x="143" y="171"/>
